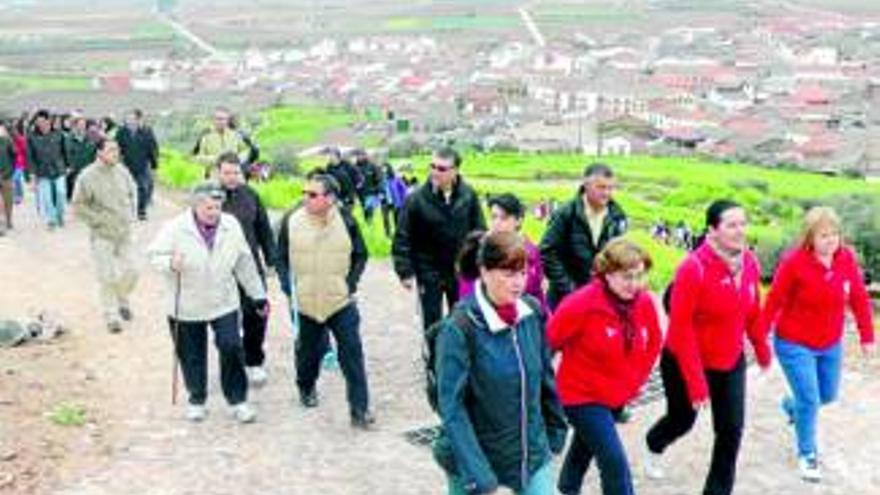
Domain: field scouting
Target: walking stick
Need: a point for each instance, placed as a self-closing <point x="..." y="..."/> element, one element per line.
<point x="294" y="323"/>
<point x="175" y="331"/>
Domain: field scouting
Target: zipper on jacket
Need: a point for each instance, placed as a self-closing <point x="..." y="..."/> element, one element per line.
<point x="523" y="422"/>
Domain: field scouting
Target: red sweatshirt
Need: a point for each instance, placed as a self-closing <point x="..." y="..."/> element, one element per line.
<point x="807" y="300"/>
<point x="709" y="316"/>
<point x="595" y="367"/>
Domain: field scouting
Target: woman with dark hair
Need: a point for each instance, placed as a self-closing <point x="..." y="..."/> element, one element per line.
<point x="495" y="386"/>
<point x="507" y="216"/>
<point x="715" y="302"/>
<point x="813" y="285"/>
<point x="610" y="337"/>
<point x="19" y="175"/>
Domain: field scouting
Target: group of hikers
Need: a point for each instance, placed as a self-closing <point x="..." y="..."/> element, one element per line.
<point x="511" y="366"/>
<point x="50" y="151"/>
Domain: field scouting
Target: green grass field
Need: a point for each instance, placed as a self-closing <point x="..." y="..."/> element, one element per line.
<point x="298" y="126"/>
<point x="19" y="83"/>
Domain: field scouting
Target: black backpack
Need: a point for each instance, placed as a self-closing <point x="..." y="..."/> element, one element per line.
<point x="463" y="321"/>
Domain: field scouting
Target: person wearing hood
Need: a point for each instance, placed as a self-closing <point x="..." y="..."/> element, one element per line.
<point x="496" y="393"/>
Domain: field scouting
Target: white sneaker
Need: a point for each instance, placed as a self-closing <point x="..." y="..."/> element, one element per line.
<point x="652" y="464"/>
<point x="244" y="413"/>
<point x="257" y="375"/>
<point x="809" y="468"/>
<point x="196" y="413"/>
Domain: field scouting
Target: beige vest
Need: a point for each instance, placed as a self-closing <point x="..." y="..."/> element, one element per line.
<point x="320" y="257"/>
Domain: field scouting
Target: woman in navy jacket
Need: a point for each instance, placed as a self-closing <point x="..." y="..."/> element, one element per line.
<point x="496" y="391"/>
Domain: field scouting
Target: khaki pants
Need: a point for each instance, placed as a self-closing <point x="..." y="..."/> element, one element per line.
<point x="116" y="274"/>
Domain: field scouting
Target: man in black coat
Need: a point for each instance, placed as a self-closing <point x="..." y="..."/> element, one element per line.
<point x="346" y="176"/>
<point x="578" y="230"/>
<point x="140" y="153"/>
<point x="243" y="203"/>
<point x="433" y="223"/>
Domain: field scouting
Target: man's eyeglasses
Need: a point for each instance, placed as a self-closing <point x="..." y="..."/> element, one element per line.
<point x="441" y="168"/>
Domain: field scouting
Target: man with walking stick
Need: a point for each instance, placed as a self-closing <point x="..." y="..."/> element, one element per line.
<point x="204" y="257"/>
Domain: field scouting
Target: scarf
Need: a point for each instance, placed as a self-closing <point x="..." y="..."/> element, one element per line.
<point x="208" y="232"/>
<point x="623" y="309"/>
<point x="507" y="313"/>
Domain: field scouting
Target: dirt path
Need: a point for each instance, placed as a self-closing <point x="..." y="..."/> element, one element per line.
<point x="135" y="442"/>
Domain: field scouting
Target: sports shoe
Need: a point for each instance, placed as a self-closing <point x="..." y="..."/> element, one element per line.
<point x="363" y="421"/>
<point x="309" y="400"/>
<point x="652" y="464"/>
<point x="114" y="327"/>
<point x="196" y="413"/>
<point x="125" y="313"/>
<point x="244" y="413"/>
<point x="257" y="375"/>
<point x="809" y="468"/>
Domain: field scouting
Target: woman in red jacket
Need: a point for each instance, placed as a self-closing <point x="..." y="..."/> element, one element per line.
<point x="813" y="286"/>
<point x="609" y="338"/>
<point x="715" y="302"/>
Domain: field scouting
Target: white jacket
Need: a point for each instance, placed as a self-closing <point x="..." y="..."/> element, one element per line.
<point x="209" y="278"/>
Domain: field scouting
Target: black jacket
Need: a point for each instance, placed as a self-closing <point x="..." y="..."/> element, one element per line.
<point x="7" y="158"/>
<point x="372" y="178"/>
<point x="78" y="153"/>
<point x="430" y="231"/>
<point x="359" y="252"/>
<point x="45" y="153"/>
<point x="244" y="204"/>
<point x="139" y="149"/>
<point x="349" y="179"/>
<point x="567" y="248"/>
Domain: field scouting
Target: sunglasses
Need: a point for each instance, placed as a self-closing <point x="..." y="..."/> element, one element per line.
<point x="441" y="168"/>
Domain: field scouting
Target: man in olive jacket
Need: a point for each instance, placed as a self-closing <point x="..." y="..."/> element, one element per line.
<point x="578" y="231"/>
<point x="431" y="228"/>
<point x="104" y="199"/>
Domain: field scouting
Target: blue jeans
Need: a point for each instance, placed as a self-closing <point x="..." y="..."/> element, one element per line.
<point x="18" y="185"/>
<point x="595" y="435"/>
<point x="541" y="483"/>
<point x="52" y="194"/>
<point x="814" y="378"/>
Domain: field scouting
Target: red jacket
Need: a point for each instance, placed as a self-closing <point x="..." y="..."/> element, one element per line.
<point x="709" y="316"/>
<point x="595" y="366"/>
<point x="807" y="300"/>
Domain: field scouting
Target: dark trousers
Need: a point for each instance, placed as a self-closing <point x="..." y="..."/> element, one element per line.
<point x="727" y="390"/>
<point x="144" y="180"/>
<point x="253" y="331"/>
<point x="431" y="293"/>
<point x="71" y="183"/>
<point x="312" y="343"/>
<point x="192" y="351"/>
<point x="595" y="436"/>
<point x="389" y="219"/>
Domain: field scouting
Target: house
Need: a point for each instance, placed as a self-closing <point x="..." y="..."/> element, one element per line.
<point x="616" y="146"/>
<point x="733" y="94"/>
